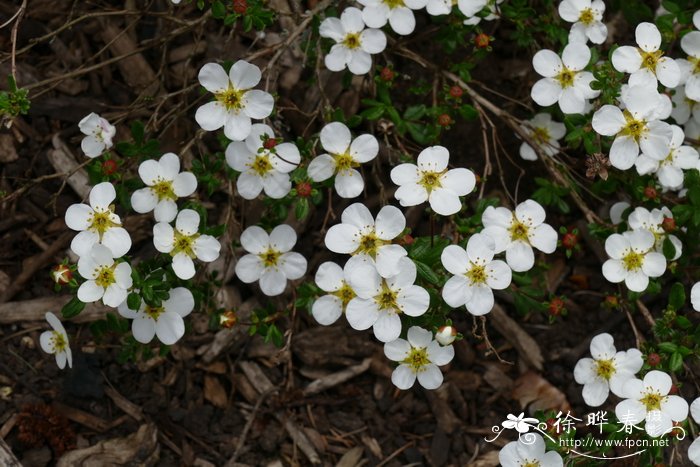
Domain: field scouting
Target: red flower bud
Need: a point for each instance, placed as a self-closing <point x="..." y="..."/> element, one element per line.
<point x="109" y="166"/>
<point x="304" y="189"/>
<point x="61" y="274"/>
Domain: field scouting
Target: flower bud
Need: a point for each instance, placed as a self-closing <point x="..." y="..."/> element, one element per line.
<point x="228" y="319"/>
<point x="446" y="335"/>
<point x="303" y="189"/>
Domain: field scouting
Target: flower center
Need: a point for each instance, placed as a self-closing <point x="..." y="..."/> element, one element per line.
<point x="369" y="243"/>
<point x="345" y="294"/>
<point x="231" y="98"/>
<point x="417" y="359"/>
<point x="163" y="189"/>
<point x="566" y="77"/>
<point x="394" y="3"/>
<point x="58" y="341"/>
<point x="154" y="311"/>
<point x="587" y="16"/>
<point x="634" y="128"/>
<point x="477" y="274"/>
<point x="270" y="257"/>
<point x="101" y="222"/>
<point x="518" y="230"/>
<point x="352" y="40"/>
<point x="344" y="162"/>
<point x="531" y="463"/>
<point x="105" y="276"/>
<point x="261" y="165"/>
<point x="650" y="59"/>
<point x="430" y="180"/>
<point x="183" y="244"/>
<point x="633" y="261"/>
<point x="695" y="62"/>
<point x="652" y="400"/>
<point x="605" y="369"/>
<point x="387" y="299"/>
<point x="541" y="135"/>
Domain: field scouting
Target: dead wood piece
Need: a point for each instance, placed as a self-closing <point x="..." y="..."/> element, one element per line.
<point x="62" y="159"/>
<point x="351" y="458"/>
<point x="526" y="346"/>
<point x="140" y="448"/>
<point x="447" y="420"/>
<point x="135" y="69"/>
<point x="8" y="153"/>
<point x="133" y="410"/>
<point x="256" y="377"/>
<point x="186" y="51"/>
<point x="7" y="458"/>
<point x="214" y="391"/>
<point x="335" y="379"/>
<point x="35" y="310"/>
<point x="82" y="417"/>
<point x="346" y="347"/>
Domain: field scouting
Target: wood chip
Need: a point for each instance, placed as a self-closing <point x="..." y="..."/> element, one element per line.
<point x="35" y="310"/>
<point x="335" y="379"/>
<point x="351" y="458"/>
<point x="527" y="347"/>
<point x="8" y="153"/>
<point x="135" y="69"/>
<point x="82" y="417"/>
<point x="7" y="458"/>
<point x="63" y="160"/>
<point x="123" y="403"/>
<point x="214" y="391"/>
<point x="140" y="448"/>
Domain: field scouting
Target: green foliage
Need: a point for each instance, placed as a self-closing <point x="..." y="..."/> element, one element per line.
<point x="14" y="101"/>
<point x="141" y="147"/>
<point x="551" y="194"/>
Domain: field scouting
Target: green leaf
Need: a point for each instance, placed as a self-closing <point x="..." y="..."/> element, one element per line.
<point x="668" y="347"/>
<point x="676" y="298"/>
<point x="468" y="112"/>
<point x="669" y="251"/>
<point x="414" y="112"/>
<point x="133" y="301"/>
<point x="426" y="273"/>
<point x="373" y="113"/>
<point x="72" y="308"/>
<point x="301" y="210"/>
<point x="675" y="363"/>
<point x="137" y="131"/>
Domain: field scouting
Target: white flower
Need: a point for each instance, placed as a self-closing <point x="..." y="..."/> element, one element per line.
<point x="690" y="43"/>
<point x="695" y="296"/>
<point x="354" y="44"/>
<point x="264" y="164"/>
<point x="634" y="128"/>
<point x="184" y="243"/>
<point x="696" y="23"/>
<point x="632" y="259"/>
<point x="56" y="342"/>
<point x="431" y="181"/>
<point x="617" y="210"/>
<point x="516" y="232"/>
<point x="344" y="155"/>
<point x="165" y="184"/>
<point x="359" y="234"/>
<point x="333" y="279"/>
<point x="419" y="357"/>
<point x="646" y="63"/>
<point x="164" y="321"/>
<point x="684" y="108"/>
<point x="271" y="260"/>
<point x="587" y="17"/>
<point x="607" y="371"/>
<point x="97" y="223"/>
<point x="528" y="450"/>
<point x="475" y="274"/>
<point x="105" y="279"/>
<point x="694" y="449"/>
<point x="564" y="81"/>
<point x="642" y="218"/>
<point x="399" y="14"/>
<point x="380" y="301"/>
<point x="669" y="171"/>
<point x="235" y="102"/>
<point x="470" y="8"/>
<point x="649" y="400"/>
<point x="439" y="7"/>
<point x="545" y="132"/>
<point x="99" y="134"/>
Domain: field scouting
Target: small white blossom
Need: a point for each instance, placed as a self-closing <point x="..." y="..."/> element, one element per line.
<point x="105" y="279"/>
<point x="587" y="17"/>
<point x="184" y="243"/>
<point x="99" y="135"/>
<point x="642" y="218"/>
<point x="333" y="279"/>
<point x="545" y="132"/>
<point x="271" y="260"/>
<point x="342" y="159"/>
<point x="470" y="8"/>
<point x="475" y="274"/>
<point x="359" y="234"/>
<point x="354" y="44"/>
<point x="164" y="185"/>
<point x="431" y="181"/>
<point x="419" y="358"/>
<point x="164" y="321"/>
<point x="636" y="128"/>
<point x="617" y="210"/>
<point x="264" y="164"/>
<point x="55" y="342"/>
<point x="650" y="400"/>
<point x="528" y="450"/>
<point x="439" y="7"/>
<point x="607" y="371"/>
<point x="380" y="301"/>
<point x="564" y="80"/>
<point x="690" y="43"/>
<point x="236" y="102"/>
<point x="97" y="223"/>
<point x="399" y="14"/>
<point x="669" y="171"/>
<point x="632" y="259"/>
<point x="695" y="296"/>
<point x="684" y="108"/>
<point x="646" y="62"/>
<point x="694" y="449"/>
<point x="517" y="232"/>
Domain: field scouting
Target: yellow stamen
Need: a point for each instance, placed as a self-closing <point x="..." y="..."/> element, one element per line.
<point x="565" y="77"/>
<point x="345" y="294"/>
<point x="232" y="98"/>
<point x="105" y="276"/>
<point x="163" y="189"/>
<point x="270" y="257"/>
<point x="652" y="400"/>
<point x="352" y="40"/>
<point x="587" y="16"/>
<point x="417" y="359"/>
<point x="633" y="261"/>
<point x="101" y="221"/>
<point x="605" y="369"/>
<point x="183" y="244"/>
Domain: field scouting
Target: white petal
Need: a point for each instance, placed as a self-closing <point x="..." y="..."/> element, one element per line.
<point x="236" y="126"/>
<point x="402" y="21"/>
<point x="143" y="330"/>
<point x="603" y="347"/>
<point x="89" y="292"/>
<point x="433" y="159"/>
<point x="481" y="301"/>
<point x="626" y="59"/>
<point x="623" y="152"/>
<point x="213" y="77"/>
<point x="211" y="116"/>
<point x="387" y="327"/>
<point x="403" y="377"/>
<point x="272" y="282"/>
<point x="596" y="392"/>
<point x="576" y="56"/>
<point x="187" y="222"/>
<point x="293" y="265"/>
<point x="170" y="328"/>
<point x="321" y="168"/>
<point x="431" y="377"/>
<point x="361" y="314"/>
<point x="102" y="195"/>
<point x="184" y="184"/>
<point x="183" y="266"/>
<point x="335" y="138"/>
<point x="460" y="181"/>
<point x="418" y="337"/>
<point x="349" y="184"/>
<point x="456" y="291"/>
<point x="543" y="237"/>
<point x="114" y="296"/>
<point x="608" y="120"/>
<point x="342" y="238"/>
<point x="257" y="104"/>
<point x="546" y="92"/>
<point x="181" y="301"/>
<point x="206" y="248"/>
<point x="249" y="268"/>
<point x="78" y="216"/>
<point x="327" y="309"/>
<point x="390" y="223"/>
<point x="413" y="300"/>
<point x="411" y="194"/>
<point x="547" y="63"/>
<point x="455" y="259"/>
<point x="648" y="37"/>
<point x="397" y="350"/>
<point x="244" y="75"/>
<point x="143" y="200"/>
<point x="520" y="257"/>
<point x="444" y="202"/>
<point x="654" y="264"/>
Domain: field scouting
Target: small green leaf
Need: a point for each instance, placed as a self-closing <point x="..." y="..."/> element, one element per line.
<point x="72" y="308"/>
<point x="668" y="347"/>
<point x="426" y="273"/>
<point x="133" y="301"/>
<point x="675" y="363"/>
<point x="676" y="298"/>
